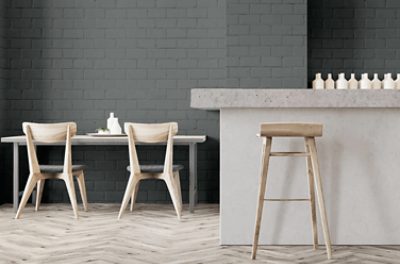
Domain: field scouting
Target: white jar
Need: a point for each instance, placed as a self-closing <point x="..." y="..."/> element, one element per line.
<point x="341" y="82"/>
<point x="353" y="83"/>
<point x="388" y="82"/>
<point x="397" y="82"/>
<point x="376" y="83"/>
<point x="115" y="127"/>
<point x="364" y="83"/>
<point x="329" y="82"/>
<point x="318" y="83"/>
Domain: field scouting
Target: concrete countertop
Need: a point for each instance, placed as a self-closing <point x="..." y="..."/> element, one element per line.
<point x="217" y="98"/>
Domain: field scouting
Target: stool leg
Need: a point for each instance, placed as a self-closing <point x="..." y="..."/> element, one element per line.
<point x="312" y="198"/>
<point x="320" y="197"/>
<point x="261" y="193"/>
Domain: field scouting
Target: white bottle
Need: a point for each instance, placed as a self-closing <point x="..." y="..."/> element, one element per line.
<point x="341" y="82"/>
<point x="388" y="82"/>
<point x="329" y="82"/>
<point x="376" y="83"/>
<point x="353" y="83"/>
<point x="110" y="121"/>
<point x="318" y="83"/>
<point x="113" y="125"/>
<point x="364" y="83"/>
<point x="397" y="82"/>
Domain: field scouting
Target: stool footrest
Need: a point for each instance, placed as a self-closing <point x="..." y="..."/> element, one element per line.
<point x="289" y="154"/>
<point x="287" y="200"/>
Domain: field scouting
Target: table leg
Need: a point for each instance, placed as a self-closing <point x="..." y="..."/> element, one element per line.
<point x="15" y="176"/>
<point x="192" y="176"/>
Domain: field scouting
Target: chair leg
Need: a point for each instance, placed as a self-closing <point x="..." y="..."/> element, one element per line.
<point x="69" y="182"/>
<point x="30" y="185"/>
<point x="173" y="191"/>
<point x="178" y="187"/>
<point x="82" y="189"/>
<point x="134" y="195"/>
<point x="320" y="197"/>
<point x="39" y="193"/>
<point x="261" y="193"/>
<point x="133" y="180"/>
<point x="312" y="198"/>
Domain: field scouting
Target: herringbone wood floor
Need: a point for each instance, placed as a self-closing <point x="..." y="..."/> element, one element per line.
<point x="151" y="234"/>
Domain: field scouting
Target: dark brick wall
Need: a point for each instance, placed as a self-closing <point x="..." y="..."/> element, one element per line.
<point x="267" y="43"/>
<point x="80" y="59"/>
<point x="353" y="36"/>
<point x="4" y="154"/>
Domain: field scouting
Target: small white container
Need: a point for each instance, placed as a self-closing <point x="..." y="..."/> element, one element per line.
<point x="115" y="127"/>
<point x="365" y="82"/>
<point x="329" y="82"/>
<point x="113" y="124"/>
<point x="318" y="83"/>
<point x="341" y="82"/>
<point x="397" y="81"/>
<point x="376" y="83"/>
<point x="353" y="83"/>
<point x="388" y="82"/>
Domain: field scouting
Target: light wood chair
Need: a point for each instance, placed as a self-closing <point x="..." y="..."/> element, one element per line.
<point x="152" y="133"/>
<point x="308" y="131"/>
<point x="52" y="133"/>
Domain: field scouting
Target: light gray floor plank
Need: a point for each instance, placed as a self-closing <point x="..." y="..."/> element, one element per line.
<point x="150" y="234"/>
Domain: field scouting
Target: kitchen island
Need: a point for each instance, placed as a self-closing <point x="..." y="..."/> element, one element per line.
<point x="359" y="156"/>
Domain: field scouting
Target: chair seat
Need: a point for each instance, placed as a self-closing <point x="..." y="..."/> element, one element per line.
<point x="156" y="168"/>
<point x="59" y="168"/>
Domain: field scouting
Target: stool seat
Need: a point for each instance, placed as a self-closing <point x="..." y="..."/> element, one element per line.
<point x="291" y="130"/>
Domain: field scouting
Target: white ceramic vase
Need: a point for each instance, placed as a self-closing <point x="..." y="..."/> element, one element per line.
<point x="341" y="82"/>
<point x="388" y="82"/>
<point x="113" y="125"/>
<point x="353" y="83"/>
<point x="365" y="82"/>
<point x="376" y="83"/>
<point x="397" y="82"/>
<point x="329" y="82"/>
<point x="318" y="83"/>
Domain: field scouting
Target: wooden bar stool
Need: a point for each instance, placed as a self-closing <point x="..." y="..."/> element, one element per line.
<point x="309" y="132"/>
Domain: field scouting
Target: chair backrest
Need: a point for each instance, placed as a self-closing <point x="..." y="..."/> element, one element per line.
<point x="151" y="133"/>
<point x="48" y="133"/>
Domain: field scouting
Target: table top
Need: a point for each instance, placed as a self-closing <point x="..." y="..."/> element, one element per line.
<point x="120" y="140"/>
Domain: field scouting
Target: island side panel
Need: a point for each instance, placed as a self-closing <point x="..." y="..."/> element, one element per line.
<point x="359" y="157"/>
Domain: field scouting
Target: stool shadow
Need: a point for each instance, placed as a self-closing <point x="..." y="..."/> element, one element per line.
<point x="289" y="173"/>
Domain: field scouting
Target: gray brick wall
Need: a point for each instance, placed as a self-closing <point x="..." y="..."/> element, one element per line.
<point x="354" y="36"/>
<point x="80" y="59"/>
<point x="4" y="154"/>
<point x="266" y="43"/>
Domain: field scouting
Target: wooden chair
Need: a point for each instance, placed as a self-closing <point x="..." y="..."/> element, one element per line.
<point x="152" y="133"/>
<point x="308" y="131"/>
<point x="51" y="133"/>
